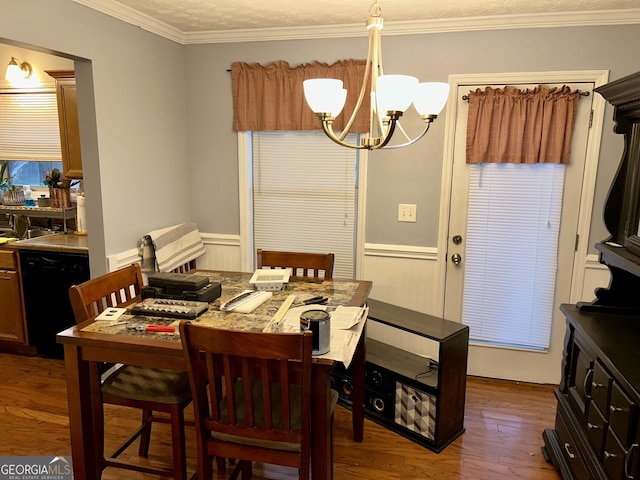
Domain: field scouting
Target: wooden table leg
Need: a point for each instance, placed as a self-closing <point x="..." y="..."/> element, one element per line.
<point x="321" y="462"/>
<point x="87" y="464"/>
<point x="357" y="409"/>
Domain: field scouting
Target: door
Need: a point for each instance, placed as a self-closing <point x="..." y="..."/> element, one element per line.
<point x="505" y="361"/>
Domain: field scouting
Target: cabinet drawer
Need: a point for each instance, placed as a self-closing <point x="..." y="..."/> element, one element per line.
<point x="596" y="429"/>
<point x="601" y="387"/>
<point x="581" y="377"/>
<point x="614" y="458"/>
<point x="8" y="259"/>
<point x="622" y="415"/>
<point x="569" y="449"/>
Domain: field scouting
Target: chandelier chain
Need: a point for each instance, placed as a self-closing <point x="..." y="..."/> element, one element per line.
<point x="374" y="9"/>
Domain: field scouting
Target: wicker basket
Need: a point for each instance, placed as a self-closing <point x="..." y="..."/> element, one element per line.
<point x="13" y="197"/>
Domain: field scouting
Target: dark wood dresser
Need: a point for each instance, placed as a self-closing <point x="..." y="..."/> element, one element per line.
<point x="597" y="428"/>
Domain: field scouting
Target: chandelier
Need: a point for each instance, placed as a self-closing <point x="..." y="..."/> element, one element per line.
<point x="391" y="96"/>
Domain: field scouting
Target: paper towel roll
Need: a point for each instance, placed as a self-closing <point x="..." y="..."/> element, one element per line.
<point x="81" y="216"/>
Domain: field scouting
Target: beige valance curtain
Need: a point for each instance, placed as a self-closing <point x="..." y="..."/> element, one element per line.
<point x="509" y="125"/>
<point x="272" y="98"/>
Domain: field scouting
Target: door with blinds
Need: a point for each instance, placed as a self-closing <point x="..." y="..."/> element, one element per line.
<point x="510" y="253"/>
<point x="305" y="196"/>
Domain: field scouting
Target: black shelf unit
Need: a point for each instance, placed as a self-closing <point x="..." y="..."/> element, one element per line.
<point x="407" y="393"/>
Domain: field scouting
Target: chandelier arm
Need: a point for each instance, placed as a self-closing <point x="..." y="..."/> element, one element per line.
<point x="403" y="131"/>
<point x="377" y="116"/>
<point x="411" y="142"/>
<point x="388" y="134"/>
<point x="363" y="90"/>
<point x="327" y="128"/>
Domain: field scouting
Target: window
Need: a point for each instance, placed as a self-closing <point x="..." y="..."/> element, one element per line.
<point x="29" y="135"/>
<point x="304" y="195"/>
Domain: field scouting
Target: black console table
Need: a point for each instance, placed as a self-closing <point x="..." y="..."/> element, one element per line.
<point x="597" y="429"/>
<point x="419" y="398"/>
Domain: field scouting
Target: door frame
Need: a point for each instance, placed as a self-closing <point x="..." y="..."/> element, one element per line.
<point x="598" y="77"/>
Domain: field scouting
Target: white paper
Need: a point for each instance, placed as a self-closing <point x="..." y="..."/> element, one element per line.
<point x="111" y="314"/>
<point x="343" y="318"/>
<point x="343" y="341"/>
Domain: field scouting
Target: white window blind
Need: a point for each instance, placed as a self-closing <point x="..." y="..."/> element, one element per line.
<point x="304" y="196"/>
<point x="29" y="127"/>
<point x="511" y="255"/>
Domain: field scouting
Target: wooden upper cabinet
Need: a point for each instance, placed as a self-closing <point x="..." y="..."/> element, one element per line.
<point x="68" y="118"/>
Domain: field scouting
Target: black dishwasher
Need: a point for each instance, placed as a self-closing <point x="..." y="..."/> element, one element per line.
<point x="46" y="278"/>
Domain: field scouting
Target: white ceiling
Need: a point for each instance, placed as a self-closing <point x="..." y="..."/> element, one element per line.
<point x="190" y="21"/>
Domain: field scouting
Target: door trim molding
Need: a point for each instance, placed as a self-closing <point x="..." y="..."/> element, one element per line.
<point x="598" y="77"/>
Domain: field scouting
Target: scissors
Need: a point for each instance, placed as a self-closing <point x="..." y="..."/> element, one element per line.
<point x="312" y="301"/>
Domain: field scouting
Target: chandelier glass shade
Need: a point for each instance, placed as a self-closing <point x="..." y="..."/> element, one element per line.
<point x="391" y="96"/>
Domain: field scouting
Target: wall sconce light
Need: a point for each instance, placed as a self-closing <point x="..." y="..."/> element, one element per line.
<point x="17" y="71"/>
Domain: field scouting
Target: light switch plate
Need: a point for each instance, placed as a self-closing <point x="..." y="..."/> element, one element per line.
<point x="406" y="212"/>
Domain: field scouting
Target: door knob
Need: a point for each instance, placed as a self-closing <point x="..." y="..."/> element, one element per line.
<point x="456" y="258"/>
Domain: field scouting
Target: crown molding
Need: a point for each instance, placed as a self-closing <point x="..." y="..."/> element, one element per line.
<point x="465" y="24"/>
<point x="134" y="17"/>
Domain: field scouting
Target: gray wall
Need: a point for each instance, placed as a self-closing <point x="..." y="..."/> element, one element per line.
<point x="156" y="116"/>
<point x="413" y="174"/>
<point x="131" y="101"/>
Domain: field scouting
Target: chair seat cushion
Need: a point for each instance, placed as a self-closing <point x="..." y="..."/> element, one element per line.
<point x="148" y="384"/>
<point x="296" y="408"/>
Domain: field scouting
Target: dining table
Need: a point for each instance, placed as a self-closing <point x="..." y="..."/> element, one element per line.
<point x="94" y="342"/>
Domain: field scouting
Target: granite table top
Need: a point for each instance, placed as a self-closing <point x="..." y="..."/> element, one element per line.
<point x="339" y="292"/>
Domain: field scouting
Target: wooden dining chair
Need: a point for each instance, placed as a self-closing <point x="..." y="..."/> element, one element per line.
<point x="251" y="397"/>
<point x="149" y="389"/>
<point x="313" y="265"/>
<point x="187" y="267"/>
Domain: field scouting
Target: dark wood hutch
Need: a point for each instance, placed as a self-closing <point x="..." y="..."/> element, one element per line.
<point x="597" y="428"/>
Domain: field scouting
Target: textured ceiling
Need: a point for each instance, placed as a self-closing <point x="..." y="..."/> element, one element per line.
<point x="189" y="16"/>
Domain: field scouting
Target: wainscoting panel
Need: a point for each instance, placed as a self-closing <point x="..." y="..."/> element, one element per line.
<point x="222" y="253"/>
<point x="402" y="275"/>
<point x="595" y="276"/>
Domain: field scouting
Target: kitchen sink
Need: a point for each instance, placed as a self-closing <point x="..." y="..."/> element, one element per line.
<point x="31" y="233"/>
<point x="39" y="232"/>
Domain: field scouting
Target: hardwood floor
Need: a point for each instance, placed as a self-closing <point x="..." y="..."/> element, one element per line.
<point x="503" y="420"/>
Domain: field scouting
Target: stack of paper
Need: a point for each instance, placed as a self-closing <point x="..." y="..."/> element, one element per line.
<point x="346" y="326"/>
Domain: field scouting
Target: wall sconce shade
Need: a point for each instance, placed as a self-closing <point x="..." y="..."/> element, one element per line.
<point x="17" y="71"/>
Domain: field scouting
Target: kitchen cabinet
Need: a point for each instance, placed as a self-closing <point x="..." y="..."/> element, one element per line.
<point x="12" y="317"/>
<point x="68" y="120"/>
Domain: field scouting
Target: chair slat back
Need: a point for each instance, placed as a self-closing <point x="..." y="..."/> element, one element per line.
<point x="115" y="289"/>
<point x="311" y="265"/>
<point x="243" y="383"/>
<point x="187" y="267"/>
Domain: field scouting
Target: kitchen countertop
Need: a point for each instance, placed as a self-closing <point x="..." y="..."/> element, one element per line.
<point x="58" y="242"/>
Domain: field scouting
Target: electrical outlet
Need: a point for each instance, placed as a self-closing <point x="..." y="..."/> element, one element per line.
<point x="406" y="212"/>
